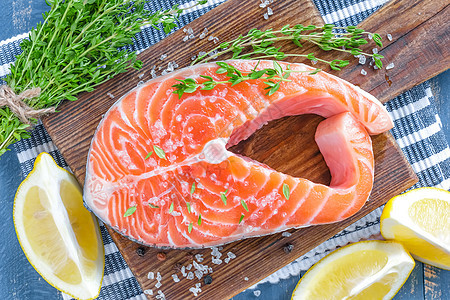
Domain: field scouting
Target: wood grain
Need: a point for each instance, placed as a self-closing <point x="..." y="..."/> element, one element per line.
<point x="286" y="145"/>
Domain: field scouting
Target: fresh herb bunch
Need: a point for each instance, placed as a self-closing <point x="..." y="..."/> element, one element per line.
<point x="257" y="44"/>
<point x="272" y="76"/>
<point x="80" y="45"/>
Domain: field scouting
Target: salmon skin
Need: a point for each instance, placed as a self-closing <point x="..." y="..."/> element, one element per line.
<point x="195" y="193"/>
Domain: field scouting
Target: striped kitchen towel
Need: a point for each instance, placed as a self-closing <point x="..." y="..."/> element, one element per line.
<point x="417" y="130"/>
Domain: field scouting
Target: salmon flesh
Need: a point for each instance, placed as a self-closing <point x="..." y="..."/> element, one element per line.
<point x="195" y="193"/>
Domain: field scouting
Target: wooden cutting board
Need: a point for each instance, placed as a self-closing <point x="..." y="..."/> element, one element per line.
<point x="287" y="145"/>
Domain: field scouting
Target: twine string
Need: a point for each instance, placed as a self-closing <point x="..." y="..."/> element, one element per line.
<point x="17" y="105"/>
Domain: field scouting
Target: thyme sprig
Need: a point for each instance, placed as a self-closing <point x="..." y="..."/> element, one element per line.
<point x="257" y="44"/>
<point x="79" y="45"/>
<point x="273" y="77"/>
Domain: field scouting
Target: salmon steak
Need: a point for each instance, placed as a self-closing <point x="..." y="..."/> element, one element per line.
<point x="159" y="171"/>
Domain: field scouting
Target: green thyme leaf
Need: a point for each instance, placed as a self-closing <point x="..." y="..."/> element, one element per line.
<point x="244" y="205"/>
<point x="153" y="206"/>
<point x="241" y="218"/>
<point x="223" y="196"/>
<point x="193" y="188"/>
<point x="199" y="222"/>
<point x="130" y="211"/>
<point x="286" y="191"/>
<point x="171" y="208"/>
<point x="149" y="154"/>
<point x="188" y="206"/>
<point x="190" y="227"/>
<point x="160" y="152"/>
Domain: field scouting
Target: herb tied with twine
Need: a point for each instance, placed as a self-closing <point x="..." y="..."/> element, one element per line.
<point x="79" y="45"/>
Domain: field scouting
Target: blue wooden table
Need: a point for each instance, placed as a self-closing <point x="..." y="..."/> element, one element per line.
<point x="18" y="279"/>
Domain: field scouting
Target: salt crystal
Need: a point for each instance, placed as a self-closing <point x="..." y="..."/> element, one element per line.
<point x="363" y="72"/>
<point x="246" y="278"/>
<point x="190" y="276"/>
<point x="199" y="257"/>
<point x="163" y="57"/>
<point x="164" y="72"/>
<point x="193" y="291"/>
<point x="140" y="83"/>
<point x="185" y="38"/>
<point x="269" y="11"/>
<point x="184" y="30"/>
<point x="110" y="95"/>
<point x="194" y="57"/>
<point x="148" y="292"/>
<point x="369" y="36"/>
<point x="201" y="53"/>
<point x="191" y="36"/>
<point x="189" y="267"/>
<point x="198" y="274"/>
<point x="210" y="38"/>
<point x="205" y="30"/>
<point x="161" y="296"/>
<point x="141" y="75"/>
<point x="158" y="276"/>
<point x="390" y="66"/>
<point x="175" y="65"/>
<point x="266" y="16"/>
<point x="201" y="36"/>
<point x="257" y="293"/>
<point x="151" y="275"/>
<point x="231" y="255"/>
<point x="190" y="31"/>
<point x="175" y="278"/>
<point x="227" y="260"/>
<point x="389" y="36"/>
<point x="375" y="50"/>
<point x="198" y="285"/>
<point x="362" y="59"/>
<point x="375" y="67"/>
<point x="215" y="250"/>
<point x="314" y="61"/>
<point x="183" y="271"/>
<point x="216" y="261"/>
<point x="210" y="270"/>
<point x="158" y="285"/>
<point x="262" y="5"/>
<point x="286" y="234"/>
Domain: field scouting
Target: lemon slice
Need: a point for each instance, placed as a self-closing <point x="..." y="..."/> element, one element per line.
<point x="364" y="270"/>
<point x="420" y="220"/>
<point x="60" y="238"/>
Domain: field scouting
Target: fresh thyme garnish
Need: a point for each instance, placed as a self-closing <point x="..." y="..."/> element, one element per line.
<point x="153" y="206"/>
<point x="286" y="191"/>
<point x="78" y="46"/>
<point x="257" y="44"/>
<point x="130" y="211"/>
<point x="149" y="154"/>
<point x="223" y="196"/>
<point x="272" y="76"/>
<point x="199" y="222"/>
<point x="244" y="205"/>
<point x="241" y="218"/>
<point x="160" y="152"/>
<point x="188" y="206"/>
<point x="190" y="227"/>
<point x="192" y="188"/>
<point x="171" y="208"/>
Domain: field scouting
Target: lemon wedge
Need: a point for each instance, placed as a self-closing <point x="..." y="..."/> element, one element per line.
<point x="60" y="238"/>
<point x="363" y="270"/>
<point x="420" y="220"/>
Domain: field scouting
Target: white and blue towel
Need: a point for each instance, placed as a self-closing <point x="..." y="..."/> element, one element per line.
<point x="417" y="129"/>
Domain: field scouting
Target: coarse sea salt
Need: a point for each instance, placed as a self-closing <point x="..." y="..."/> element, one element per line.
<point x="390" y="66"/>
<point x="190" y="276"/>
<point x="110" y="95"/>
<point x="158" y="285"/>
<point x="189" y="266"/>
<point x="151" y="275"/>
<point x="198" y="274"/>
<point x="148" y="292"/>
<point x="257" y="293"/>
<point x="363" y="72"/>
<point x="199" y="257"/>
<point x="231" y="255"/>
<point x="269" y="11"/>
<point x="158" y="276"/>
<point x="175" y="278"/>
<point x="266" y="16"/>
<point x="286" y="234"/>
<point x="160" y="295"/>
<point x="362" y="59"/>
<point x="389" y="36"/>
<point x="246" y="278"/>
<point x="163" y="56"/>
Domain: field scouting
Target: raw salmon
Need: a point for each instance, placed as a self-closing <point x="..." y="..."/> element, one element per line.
<point x="194" y="193"/>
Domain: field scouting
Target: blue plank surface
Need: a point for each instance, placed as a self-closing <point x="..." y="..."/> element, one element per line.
<point x="18" y="279"/>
